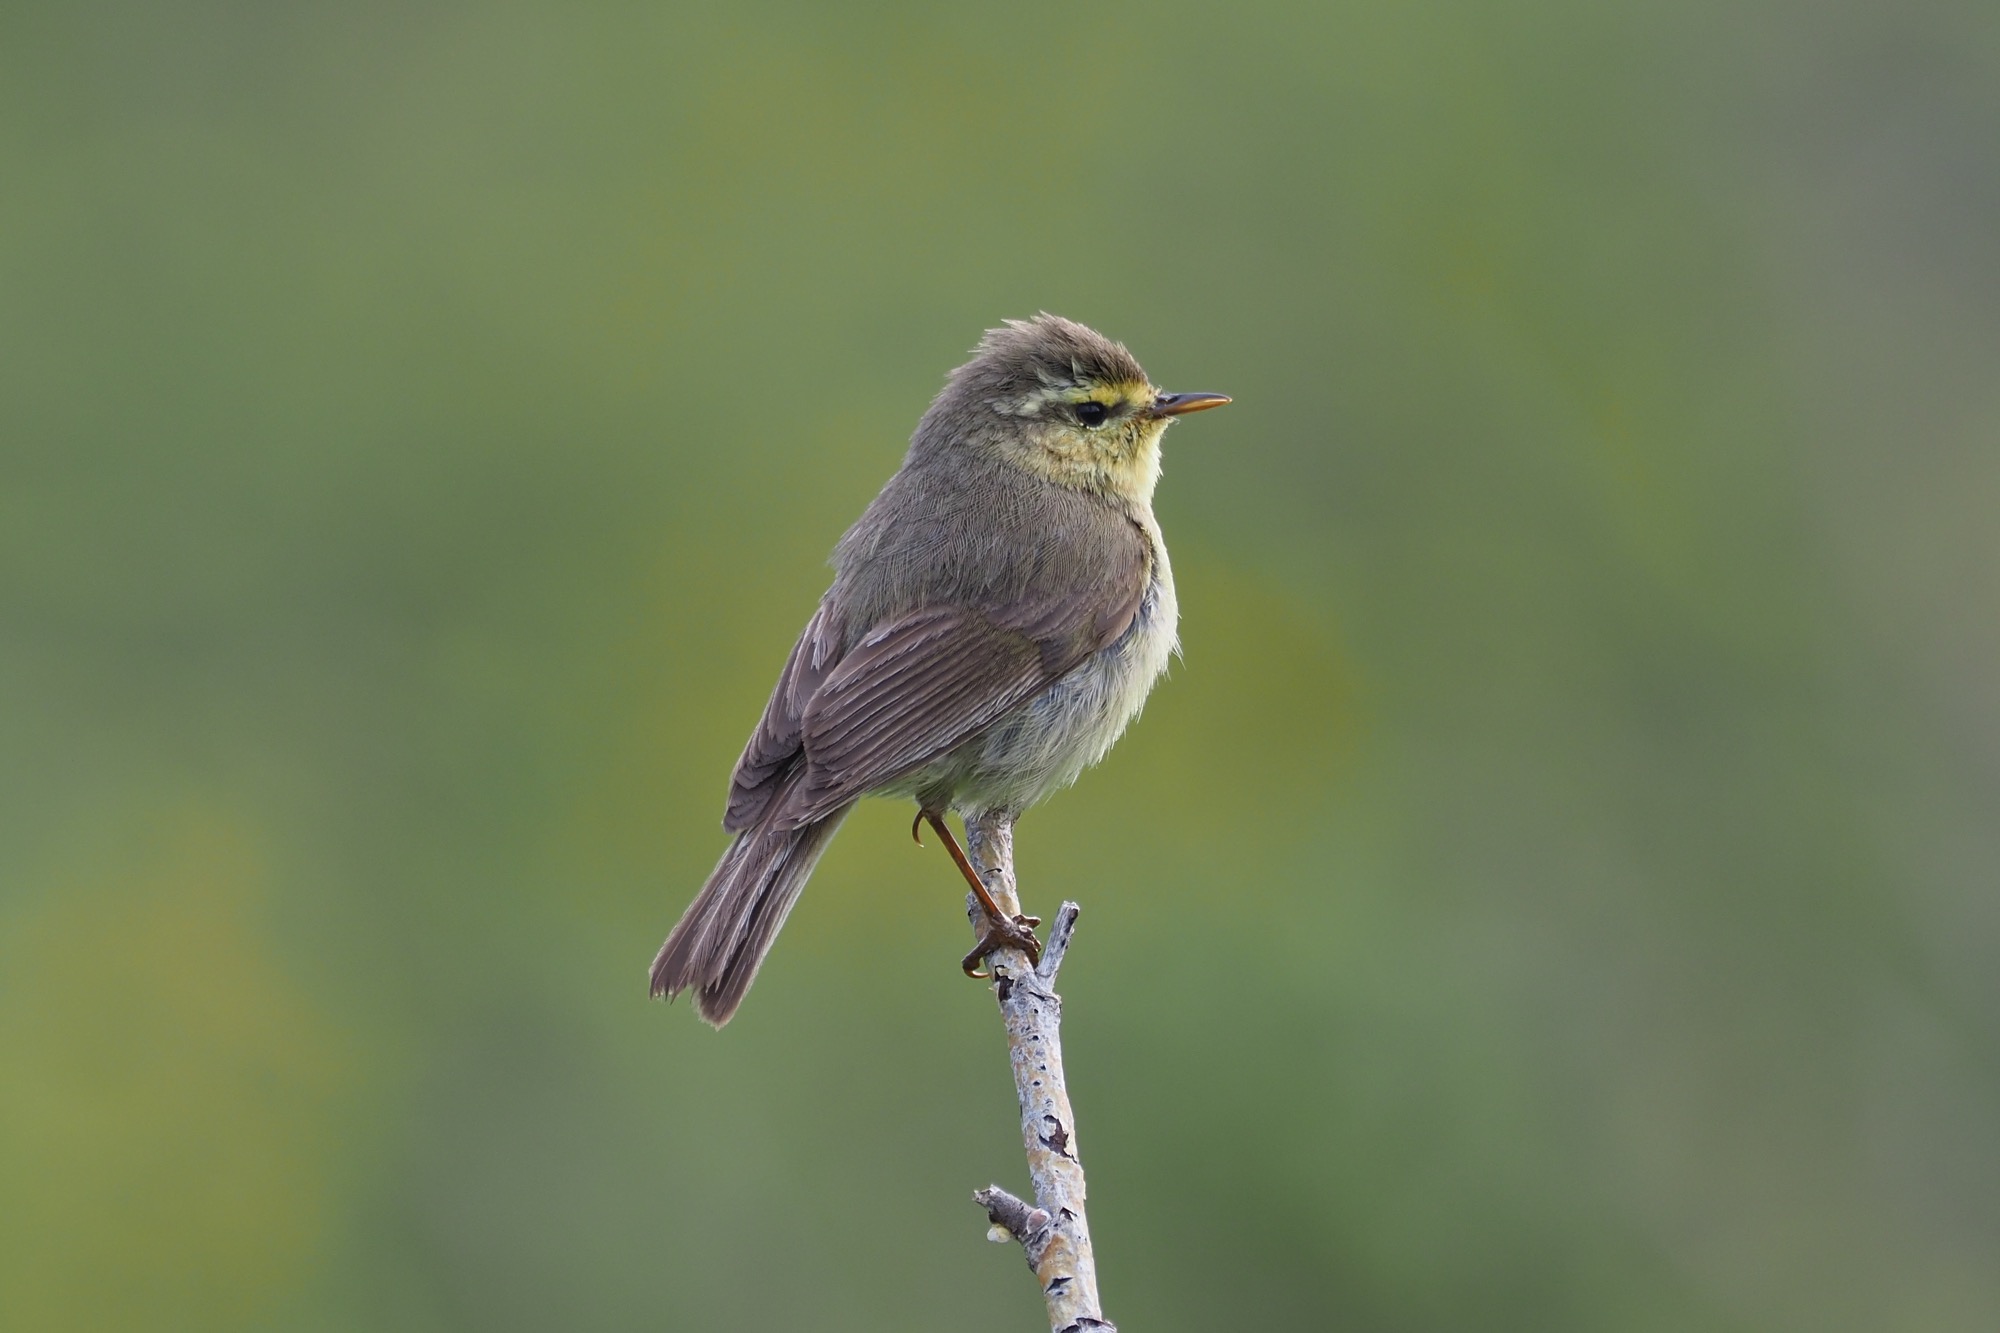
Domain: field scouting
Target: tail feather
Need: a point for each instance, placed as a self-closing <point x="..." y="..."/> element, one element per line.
<point x="723" y="936"/>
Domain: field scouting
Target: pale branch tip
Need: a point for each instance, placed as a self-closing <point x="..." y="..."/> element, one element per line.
<point x="1060" y="932"/>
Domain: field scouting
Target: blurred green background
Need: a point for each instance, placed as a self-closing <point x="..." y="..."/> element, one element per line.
<point x="1556" y="891"/>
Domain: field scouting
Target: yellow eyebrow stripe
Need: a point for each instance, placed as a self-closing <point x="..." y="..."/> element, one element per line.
<point x="1114" y="395"/>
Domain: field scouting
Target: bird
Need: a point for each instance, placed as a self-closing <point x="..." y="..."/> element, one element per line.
<point x="997" y="616"/>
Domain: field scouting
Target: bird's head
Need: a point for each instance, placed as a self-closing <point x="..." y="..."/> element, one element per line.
<point x="1064" y="401"/>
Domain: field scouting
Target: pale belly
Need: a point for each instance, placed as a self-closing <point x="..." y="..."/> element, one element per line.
<point x="1048" y="741"/>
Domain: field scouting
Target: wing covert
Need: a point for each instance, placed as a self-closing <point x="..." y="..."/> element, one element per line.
<point x="912" y="690"/>
<point x="847" y="718"/>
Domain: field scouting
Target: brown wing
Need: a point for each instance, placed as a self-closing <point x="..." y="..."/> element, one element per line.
<point x="776" y="747"/>
<point x="911" y="689"/>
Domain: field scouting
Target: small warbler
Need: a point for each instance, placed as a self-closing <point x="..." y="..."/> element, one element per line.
<point x="997" y="615"/>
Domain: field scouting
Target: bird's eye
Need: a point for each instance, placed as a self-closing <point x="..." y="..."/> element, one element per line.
<point x="1092" y="414"/>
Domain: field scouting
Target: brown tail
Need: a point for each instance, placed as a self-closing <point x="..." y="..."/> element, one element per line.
<point x="723" y="936"/>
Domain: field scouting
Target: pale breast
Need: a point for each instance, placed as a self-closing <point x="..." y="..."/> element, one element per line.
<point x="1047" y="742"/>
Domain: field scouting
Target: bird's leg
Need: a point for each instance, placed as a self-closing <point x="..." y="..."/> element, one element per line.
<point x="1002" y="931"/>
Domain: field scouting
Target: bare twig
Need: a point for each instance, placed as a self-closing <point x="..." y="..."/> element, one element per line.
<point x="1053" y="1232"/>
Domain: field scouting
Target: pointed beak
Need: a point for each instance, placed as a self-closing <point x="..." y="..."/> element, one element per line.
<point x="1180" y="404"/>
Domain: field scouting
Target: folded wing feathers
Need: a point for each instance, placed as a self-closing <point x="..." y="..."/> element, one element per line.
<point x="910" y="690"/>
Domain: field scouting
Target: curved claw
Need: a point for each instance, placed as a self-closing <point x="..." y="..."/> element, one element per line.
<point x="1030" y="945"/>
<point x="1003" y="933"/>
<point x="917" y="829"/>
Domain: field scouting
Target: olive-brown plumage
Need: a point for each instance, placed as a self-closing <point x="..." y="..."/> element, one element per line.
<point x="997" y="616"/>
